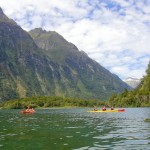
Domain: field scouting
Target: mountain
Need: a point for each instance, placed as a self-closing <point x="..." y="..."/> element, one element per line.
<point x="44" y="63"/>
<point x="87" y="73"/>
<point x="133" y="82"/>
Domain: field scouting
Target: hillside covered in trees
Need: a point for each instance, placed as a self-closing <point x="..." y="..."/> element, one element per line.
<point x="140" y="97"/>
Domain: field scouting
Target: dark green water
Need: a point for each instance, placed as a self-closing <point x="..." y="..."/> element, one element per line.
<point x="67" y="129"/>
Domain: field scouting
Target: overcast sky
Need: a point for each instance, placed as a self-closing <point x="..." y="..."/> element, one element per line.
<point x="115" y="33"/>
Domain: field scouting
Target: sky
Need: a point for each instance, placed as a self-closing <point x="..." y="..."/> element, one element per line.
<point x="115" y="33"/>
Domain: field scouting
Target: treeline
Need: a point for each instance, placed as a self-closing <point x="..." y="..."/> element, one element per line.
<point x="140" y="97"/>
<point x="50" y="101"/>
<point x="131" y="99"/>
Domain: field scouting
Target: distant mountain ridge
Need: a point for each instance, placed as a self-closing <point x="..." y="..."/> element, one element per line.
<point x="133" y="82"/>
<point x="44" y="63"/>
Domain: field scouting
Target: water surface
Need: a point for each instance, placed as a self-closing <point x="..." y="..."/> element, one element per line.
<point x="74" y="129"/>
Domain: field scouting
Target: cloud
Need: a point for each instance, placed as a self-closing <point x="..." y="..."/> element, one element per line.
<point x="115" y="33"/>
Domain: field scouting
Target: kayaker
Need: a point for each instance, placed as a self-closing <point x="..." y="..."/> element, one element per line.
<point x="28" y="108"/>
<point x="104" y="108"/>
<point x="95" y="108"/>
<point x="111" y="108"/>
<point x="32" y="110"/>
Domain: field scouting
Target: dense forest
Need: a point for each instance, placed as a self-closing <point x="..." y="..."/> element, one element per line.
<point x="50" y="101"/>
<point x="140" y="97"/>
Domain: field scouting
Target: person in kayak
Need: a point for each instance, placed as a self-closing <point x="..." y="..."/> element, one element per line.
<point x="111" y="108"/>
<point x="32" y="110"/>
<point x="95" y="108"/>
<point x="29" y="109"/>
<point x="104" y="108"/>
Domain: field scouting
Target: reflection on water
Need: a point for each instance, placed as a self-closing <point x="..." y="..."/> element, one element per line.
<point x="76" y="129"/>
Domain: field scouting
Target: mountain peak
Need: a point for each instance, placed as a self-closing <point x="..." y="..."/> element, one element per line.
<point x="51" y="40"/>
<point x="131" y="78"/>
<point x="4" y="18"/>
<point x="38" y="31"/>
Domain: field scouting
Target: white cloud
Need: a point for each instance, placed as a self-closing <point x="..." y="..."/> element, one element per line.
<point x="135" y="73"/>
<point x="115" y="33"/>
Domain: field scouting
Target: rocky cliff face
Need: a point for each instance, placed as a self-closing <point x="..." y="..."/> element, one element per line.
<point x="44" y="63"/>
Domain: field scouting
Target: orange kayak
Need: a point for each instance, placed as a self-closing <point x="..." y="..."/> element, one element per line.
<point x="28" y="112"/>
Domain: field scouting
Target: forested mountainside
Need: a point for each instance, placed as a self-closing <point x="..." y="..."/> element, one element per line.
<point x="136" y="98"/>
<point x="42" y="63"/>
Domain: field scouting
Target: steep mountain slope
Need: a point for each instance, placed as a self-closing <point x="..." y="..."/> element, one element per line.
<point x="55" y="46"/>
<point x="85" y="74"/>
<point x="19" y="59"/>
<point x="48" y="65"/>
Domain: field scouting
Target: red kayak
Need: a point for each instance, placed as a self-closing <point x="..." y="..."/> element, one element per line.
<point x="121" y="110"/>
<point x="28" y="111"/>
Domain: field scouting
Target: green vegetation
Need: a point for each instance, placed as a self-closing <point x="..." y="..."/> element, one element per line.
<point x="147" y="120"/>
<point x="137" y="98"/>
<point x="50" y="101"/>
<point x="140" y="97"/>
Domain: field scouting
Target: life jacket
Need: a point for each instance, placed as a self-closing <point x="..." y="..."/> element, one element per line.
<point x="104" y="109"/>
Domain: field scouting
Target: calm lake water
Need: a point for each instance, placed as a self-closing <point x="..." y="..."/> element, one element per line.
<point x="75" y="129"/>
